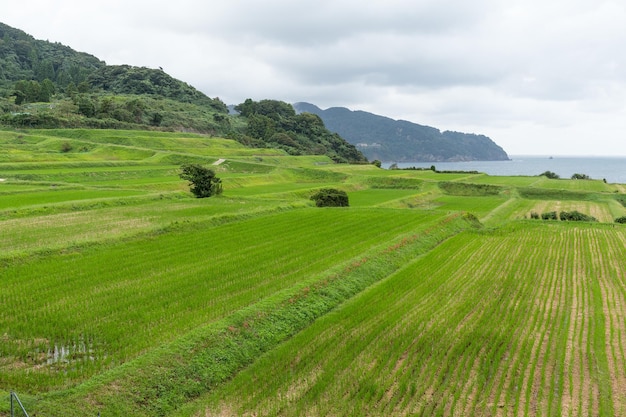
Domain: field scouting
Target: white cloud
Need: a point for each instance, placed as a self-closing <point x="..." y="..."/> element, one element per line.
<point x="538" y="77"/>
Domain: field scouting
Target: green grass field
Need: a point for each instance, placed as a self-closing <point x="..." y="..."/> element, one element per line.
<point x="481" y="325"/>
<point x="432" y="294"/>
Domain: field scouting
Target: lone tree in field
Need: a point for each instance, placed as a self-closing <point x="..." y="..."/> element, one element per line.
<point x="202" y="181"/>
<point x="330" y="197"/>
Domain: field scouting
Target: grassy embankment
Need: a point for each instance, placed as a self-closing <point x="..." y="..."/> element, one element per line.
<point x="124" y="295"/>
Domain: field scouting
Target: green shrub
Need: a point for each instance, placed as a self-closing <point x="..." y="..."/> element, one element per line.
<point x="621" y="220"/>
<point x="330" y="197"/>
<point x="550" y="215"/>
<point x="576" y="216"/>
<point x="550" y="174"/>
<point x="66" y="147"/>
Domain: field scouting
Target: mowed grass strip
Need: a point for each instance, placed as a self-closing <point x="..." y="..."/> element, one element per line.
<point x="42" y="230"/>
<point x="108" y="304"/>
<point x="594" y="185"/>
<point x="526" y="321"/>
<point x="62" y="196"/>
<point x="380" y="197"/>
<point x="167" y="141"/>
<point x="84" y="173"/>
<point x="478" y="205"/>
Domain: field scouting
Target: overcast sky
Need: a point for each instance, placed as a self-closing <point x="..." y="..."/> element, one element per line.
<point x="540" y="77"/>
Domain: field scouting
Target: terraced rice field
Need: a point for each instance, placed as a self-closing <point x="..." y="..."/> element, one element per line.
<point x="522" y="322"/>
<point x="599" y="210"/>
<point x="432" y="294"/>
<point x="162" y="286"/>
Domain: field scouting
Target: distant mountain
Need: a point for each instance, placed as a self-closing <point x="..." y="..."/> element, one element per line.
<point x="389" y="140"/>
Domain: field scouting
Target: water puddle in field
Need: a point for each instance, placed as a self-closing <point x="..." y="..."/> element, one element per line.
<point x="80" y="351"/>
<point x="40" y="352"/>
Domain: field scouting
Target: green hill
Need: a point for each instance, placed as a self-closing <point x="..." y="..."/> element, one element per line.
<point x="23" y="57"/>
<point x="49" y="85"/>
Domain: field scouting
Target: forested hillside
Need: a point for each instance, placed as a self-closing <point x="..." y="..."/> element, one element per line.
<point x="276" y="123"/>
<point x="22" y="57"/>
<point x="385" y="139"/>
<point x="49" y="85"/>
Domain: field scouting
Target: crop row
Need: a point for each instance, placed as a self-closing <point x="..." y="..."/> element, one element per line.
<point x="109" y="303"/>
<point x="520" y="322"/>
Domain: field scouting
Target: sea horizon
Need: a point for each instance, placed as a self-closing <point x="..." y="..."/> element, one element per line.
<point x="612" y="169"/>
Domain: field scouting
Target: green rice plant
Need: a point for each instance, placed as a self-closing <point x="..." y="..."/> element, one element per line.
<point x="163" y="286"/>
<point x="111" y="136"/>
<point x="36" y="230"/>
<point x="602" y="210"/>
<point x="508" y="181"/>
<point x="395" y="182"/>
<point x="378" y="197"/>
<point x="574" y="185"/>
<point x="281" y="191"/>
<point x="616" y="209"/>
<point x="316" y="161"/>
<point x="444" y="176"/>
<point x="94" y="175"/>
<point x="247" y="167"/>
<point x="118" y="284"/>
<point x="63" y="196"/>
<point x="194" y="363"/>
<point x="554" y="194"/>
<point x="316" y="175"/>
<point x="515" y="321"/>
<point x="469" y="189"/>
<point x="480" y="206"/>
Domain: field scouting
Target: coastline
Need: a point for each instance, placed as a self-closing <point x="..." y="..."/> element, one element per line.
<point x="609" y="168"/>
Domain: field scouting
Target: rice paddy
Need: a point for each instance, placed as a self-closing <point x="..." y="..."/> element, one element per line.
<point x="432" y="294"/>
<point x="526" y="322"/>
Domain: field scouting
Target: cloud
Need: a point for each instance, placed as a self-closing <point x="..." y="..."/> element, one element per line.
<point x="536" y="76"/>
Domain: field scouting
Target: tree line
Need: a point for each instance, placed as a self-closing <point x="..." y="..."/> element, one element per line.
<point x="276" y="123"/>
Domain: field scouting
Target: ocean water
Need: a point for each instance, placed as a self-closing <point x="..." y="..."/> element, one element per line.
<point x="612" y="169"/>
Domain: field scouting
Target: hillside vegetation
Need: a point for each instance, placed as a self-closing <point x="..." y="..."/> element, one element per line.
<point x="430" y="294"/>
<point x="48" y="85"/>
<point x="384" y="139"/>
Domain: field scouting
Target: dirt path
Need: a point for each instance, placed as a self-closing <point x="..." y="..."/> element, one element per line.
<point x="219" y="161"/>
